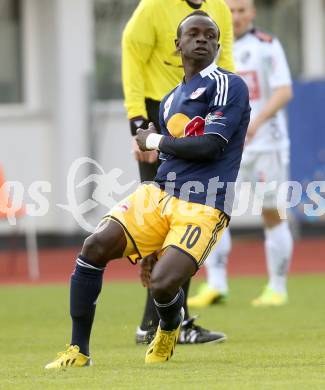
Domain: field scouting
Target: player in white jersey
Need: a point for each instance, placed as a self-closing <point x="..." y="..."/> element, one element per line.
<point x="261" y="61"/>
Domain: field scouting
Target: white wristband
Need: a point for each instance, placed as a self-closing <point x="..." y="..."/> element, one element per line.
<point x="153" y="141"/>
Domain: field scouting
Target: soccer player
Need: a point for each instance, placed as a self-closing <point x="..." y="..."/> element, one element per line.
<point x="261" y="61"/>
<point x="150" y="69"/>
<point x="184" y="212"/>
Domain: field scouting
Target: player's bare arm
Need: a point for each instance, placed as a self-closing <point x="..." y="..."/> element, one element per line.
<point x="279" y="99"/>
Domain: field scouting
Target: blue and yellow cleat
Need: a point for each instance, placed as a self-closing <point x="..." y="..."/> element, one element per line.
<point x="270" y="298"/>
<point x="163" y="345"/>
<point x="206" y="296"/>
<point x="70" y="358"/>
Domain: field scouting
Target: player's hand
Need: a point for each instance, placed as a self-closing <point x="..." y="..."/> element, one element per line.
<point x="146" y="267"/>
<point x="142" y="136"/>
<point x="149" y="157"/>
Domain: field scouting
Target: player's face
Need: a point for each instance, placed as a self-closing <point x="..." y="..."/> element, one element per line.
<point x="199" y="39"/>
<point x="243" y="14"/>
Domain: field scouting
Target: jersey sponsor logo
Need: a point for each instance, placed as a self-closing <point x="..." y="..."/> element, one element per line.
<point x="195" y="127"/>
<point x="197" y="93"/>
<point x="219" y="115"/>
<point x="176" y="124"/>
<point x="251" y="80"/>
<point x="215" y="118"/>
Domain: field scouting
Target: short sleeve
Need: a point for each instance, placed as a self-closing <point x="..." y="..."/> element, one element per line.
<point x="279" y="73"/>
<point x="227" y="106"/>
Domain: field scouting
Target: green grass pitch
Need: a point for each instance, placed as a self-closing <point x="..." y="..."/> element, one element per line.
<point x="282" y="348"/>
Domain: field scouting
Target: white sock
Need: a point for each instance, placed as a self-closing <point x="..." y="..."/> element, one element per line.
<point x="216" y="264"/>
<point x="278" y="249"/>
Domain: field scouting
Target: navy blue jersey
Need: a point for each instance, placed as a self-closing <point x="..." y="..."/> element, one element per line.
<point x="213" y="102"/>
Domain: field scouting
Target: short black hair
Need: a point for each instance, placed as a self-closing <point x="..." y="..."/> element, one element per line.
<point x="194" y="13"/>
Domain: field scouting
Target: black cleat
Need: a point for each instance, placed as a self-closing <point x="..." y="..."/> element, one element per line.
<point x="145" y="336"/>
<point x="195" y="334"/>
<point x="189" y="334"/>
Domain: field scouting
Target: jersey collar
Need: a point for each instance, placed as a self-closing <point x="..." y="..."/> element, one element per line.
<point x="204" y="72"/>
<point x="209" y="69"/>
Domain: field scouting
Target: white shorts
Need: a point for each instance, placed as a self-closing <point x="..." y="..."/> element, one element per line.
<point x="266" y="171"/>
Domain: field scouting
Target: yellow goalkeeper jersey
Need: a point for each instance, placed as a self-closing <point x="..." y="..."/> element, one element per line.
<point x="150" y="67"/>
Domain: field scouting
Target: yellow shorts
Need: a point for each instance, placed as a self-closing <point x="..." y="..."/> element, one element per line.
<point x="154" y="220"/>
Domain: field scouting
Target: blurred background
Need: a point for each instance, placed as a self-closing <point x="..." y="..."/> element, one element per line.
<point x="61" y="98"/>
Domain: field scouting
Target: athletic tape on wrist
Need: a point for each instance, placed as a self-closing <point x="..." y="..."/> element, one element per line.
<point x="153" y="140"/>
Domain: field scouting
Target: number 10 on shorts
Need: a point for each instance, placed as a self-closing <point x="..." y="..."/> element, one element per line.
<point x="191" y="236"/>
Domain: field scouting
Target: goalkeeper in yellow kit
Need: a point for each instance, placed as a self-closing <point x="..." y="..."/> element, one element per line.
<point x="150" y="69"/>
